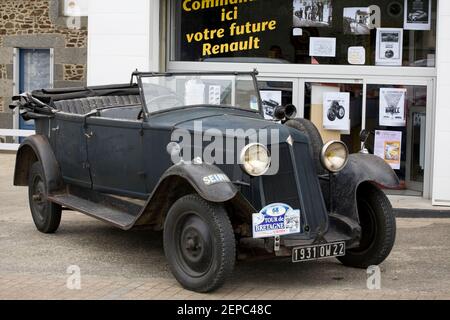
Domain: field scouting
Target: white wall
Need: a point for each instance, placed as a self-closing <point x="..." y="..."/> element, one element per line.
<point x="123" y="37"/>
<point x="441" y="185"/>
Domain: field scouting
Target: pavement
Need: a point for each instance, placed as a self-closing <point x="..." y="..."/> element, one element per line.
<point x="114" y="264"/>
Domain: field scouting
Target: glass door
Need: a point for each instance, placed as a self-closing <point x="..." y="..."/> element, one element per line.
<point x="395" y="111"/>
<point x="336" y="108"/>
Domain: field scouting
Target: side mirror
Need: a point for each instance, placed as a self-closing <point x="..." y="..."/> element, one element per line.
<point x="286" y="112"/>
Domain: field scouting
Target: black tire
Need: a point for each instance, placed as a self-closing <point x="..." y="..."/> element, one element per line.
<point x="199" y="243"/>
<point x="331" y="115"/>
<point x="315" y="139"/>
<point x="46" y="214"/>
<point x="341" y="113"/>
<point x="378" y="229"/>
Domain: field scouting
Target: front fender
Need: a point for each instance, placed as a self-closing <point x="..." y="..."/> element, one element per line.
<point x="360" y="168"/>
<point x="37" y="148"/>
<point x="183" y="179"/>
<point x="200" y="177"/>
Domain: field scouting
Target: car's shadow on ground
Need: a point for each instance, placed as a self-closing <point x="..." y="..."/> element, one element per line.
<point x="143" y="252"/>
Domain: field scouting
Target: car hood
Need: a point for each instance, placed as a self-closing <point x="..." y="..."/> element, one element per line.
<point x="227" y="122"/>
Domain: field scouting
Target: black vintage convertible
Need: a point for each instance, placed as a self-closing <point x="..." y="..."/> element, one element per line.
<point x="191" y="154"/>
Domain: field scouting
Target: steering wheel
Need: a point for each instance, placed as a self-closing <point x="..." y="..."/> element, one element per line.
<point x="166" y="97"/>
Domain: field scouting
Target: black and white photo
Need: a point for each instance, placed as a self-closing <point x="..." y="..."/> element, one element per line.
<point x="357" y="21"/>
<point x="336" y="111"/>
<point x="312" y="13"/>
<point x="417" y="15"/>
<point x="389" y="49"/>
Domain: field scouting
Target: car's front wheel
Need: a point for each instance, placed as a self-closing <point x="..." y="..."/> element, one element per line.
<point x="378" y="229"/>
<point x="46" y="215"/>
<point x="199" y="243"/>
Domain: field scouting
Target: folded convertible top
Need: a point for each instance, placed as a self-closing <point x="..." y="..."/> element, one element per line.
<point x="51" y="95"/>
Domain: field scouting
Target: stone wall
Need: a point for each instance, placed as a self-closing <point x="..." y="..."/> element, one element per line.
<point x="38" y="24"/>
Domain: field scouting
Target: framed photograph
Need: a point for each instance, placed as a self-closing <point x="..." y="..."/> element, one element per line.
<point x="322" y="47"/>
<point x="357" y="21"/>
<point x="417" y="15"/>
<point x="312" y="13"/>
<point x="336" y="111"/>
<point x="270" y="101"/>
<point x="389" y="49"/>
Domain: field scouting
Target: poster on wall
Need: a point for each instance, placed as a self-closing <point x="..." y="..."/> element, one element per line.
<point x="392" y="107"/>
<point x="389" y="49"/>
<point x="388" y="146"/>
<point x="322" y="47"/>
<point x="270" y="100"/>
<point x="417" y="15"/>
<point x="336" y="111"/>
<point x="312" y="13"/>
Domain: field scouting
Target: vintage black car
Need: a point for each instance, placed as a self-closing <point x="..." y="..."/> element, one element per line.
<point x="178" y="152"/>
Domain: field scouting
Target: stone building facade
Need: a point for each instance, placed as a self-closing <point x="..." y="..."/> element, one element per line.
<point x="40" y="24"/>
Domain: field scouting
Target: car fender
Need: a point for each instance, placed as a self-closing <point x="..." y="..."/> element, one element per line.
<point x="361" y="168"/>
<point x="37" y="148"/>
<point x="211" y="183"/>
<point x="208" y="180"/>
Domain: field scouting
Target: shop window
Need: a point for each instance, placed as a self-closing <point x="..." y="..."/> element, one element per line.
<point x="396" y="116"/>
<point x="340" y="32"/>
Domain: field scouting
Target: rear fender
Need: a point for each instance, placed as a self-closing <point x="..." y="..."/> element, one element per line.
<point x="37" y="148"/>
<point x="361" y="168"/>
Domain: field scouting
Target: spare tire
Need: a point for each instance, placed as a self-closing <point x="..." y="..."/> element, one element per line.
<point x="315" y="140"/>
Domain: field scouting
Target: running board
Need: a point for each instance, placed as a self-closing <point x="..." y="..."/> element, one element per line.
<point x="110" y="209"/>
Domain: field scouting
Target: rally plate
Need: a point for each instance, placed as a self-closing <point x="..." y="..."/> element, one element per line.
<point x="320" y="251"/>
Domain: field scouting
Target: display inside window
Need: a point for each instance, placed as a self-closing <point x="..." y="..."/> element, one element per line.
<point x="396" y="115"/>
<point x="341" y="32"/>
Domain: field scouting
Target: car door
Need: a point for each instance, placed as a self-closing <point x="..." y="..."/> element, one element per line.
<point x="67" y="136"/>
<point x="115" y="153"/>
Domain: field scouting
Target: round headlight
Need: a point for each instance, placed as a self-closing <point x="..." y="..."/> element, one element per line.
<point x="334" y="156"/>
<point x="255" y="159"/>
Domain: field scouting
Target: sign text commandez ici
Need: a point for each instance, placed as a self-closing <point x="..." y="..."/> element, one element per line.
<point x="209" y="37"/>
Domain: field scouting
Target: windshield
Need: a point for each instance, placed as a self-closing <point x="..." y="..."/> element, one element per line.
<point x="165" y="92"/>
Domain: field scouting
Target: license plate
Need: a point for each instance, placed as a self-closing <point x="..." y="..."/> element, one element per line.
<point x="321" y="251"/>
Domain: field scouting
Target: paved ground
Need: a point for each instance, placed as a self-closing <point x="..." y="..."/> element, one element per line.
<point x="131" y="265"/>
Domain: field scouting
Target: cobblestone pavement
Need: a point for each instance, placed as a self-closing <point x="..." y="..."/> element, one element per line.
<point x="131" y="265"/>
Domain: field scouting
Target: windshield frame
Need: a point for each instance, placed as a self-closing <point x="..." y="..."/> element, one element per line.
<point x="141" y="75"/>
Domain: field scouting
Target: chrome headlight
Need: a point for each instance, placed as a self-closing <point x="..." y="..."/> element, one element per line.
<point x="255" y="159"/>
<point x="334" y="156"/>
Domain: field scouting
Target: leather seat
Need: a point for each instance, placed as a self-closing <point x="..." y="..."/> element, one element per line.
<point x="86" y="105"/>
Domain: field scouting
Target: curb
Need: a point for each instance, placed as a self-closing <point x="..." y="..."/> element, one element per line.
<point x="421" y="213"/>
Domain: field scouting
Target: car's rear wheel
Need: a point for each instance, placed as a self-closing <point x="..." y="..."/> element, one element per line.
<point x="46" y="215"/>
<point x="378" y="229"/>
<point x="199" y="243"/>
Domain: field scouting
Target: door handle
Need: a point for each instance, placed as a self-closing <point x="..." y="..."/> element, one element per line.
<point x="89" y="135"/>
